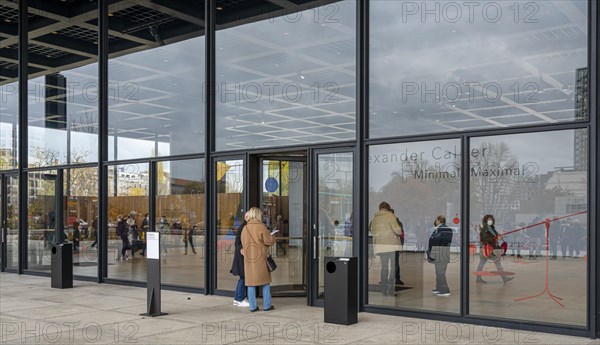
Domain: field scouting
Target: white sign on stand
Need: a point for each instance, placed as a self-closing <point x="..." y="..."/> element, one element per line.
<point x="153" y="245"/>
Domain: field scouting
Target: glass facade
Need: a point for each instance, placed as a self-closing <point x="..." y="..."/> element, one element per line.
<point x="9" y="87"/>
<point x="505" y="64"/>
<point x="537" y="197"/>
<point x="156" y="79"/>
<point x="419" y="180"/>
<point x="62" y="102"/>
<point x="180" y="221"/>
<point x="229" y="183"/>
<point x="462" y="173"/>
<point x="128" y="203"/>
<point x="287" y="79"/>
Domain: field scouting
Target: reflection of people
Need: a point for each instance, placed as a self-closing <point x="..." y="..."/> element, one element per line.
<point x="145" y="226"/>
<point x="579" y="237"/>
<point x="95" y="231"/>
<point x="123" y="233"/>
<point x="438" y="253"/>
<point x="237" y="268"/>
<point x="282" y="226"/>
<point x="76" y="236"/>
<point x="397" y="253"/>
<point x="566" y="243"/>
<point x="163" y="229"/>
<point x="488" y="236"/>
<point x="348" y="226"/>
<point x="386" y="240"/>
<point x="189" y="238"/>
<point x="256" y="239"/>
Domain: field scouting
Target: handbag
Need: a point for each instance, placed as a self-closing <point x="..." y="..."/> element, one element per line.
<point x="271" y="265"/>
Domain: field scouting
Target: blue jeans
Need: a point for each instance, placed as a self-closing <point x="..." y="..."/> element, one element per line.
<point x="240" y="290"/>
<point x="266" y="291"/>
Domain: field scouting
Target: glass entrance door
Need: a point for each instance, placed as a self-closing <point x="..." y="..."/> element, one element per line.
<point x="283" y="202"/>
<point x="332" y="227"/>
<point x="9" y="221"/>
<point x="44" y="217"/>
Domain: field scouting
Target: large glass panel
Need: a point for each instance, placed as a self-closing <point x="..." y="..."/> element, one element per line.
<point x="420" y="181"/>
<point x="9" y="84"/>
<point x="284" y="209"/>
<point x="128" y="190"/>
<point x="11" y="226"/>
<point x="440" y="66"/>
<point x="229" y="180"/>
<point x="335" y="205"/>
<point x="62" y="85"/>
<point x="156" y="78"/>
<point x="180" y="220"/>
<point x="533" y="189"/>
<point x="285" y="73"/>
<point x="81" y="210"/>
<point x="41" y="209"/>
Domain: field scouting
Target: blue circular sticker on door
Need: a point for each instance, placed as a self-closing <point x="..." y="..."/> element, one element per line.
<point x="271" y="184"/>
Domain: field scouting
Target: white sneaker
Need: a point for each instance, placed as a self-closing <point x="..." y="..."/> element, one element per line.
<point x="243" y="303"/>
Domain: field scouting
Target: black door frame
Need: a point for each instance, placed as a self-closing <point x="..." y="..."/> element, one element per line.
<point x="3" y="218"/>
<point x="313" y="215"/>
<point x="211" y="233"/>
<point x="289" y="158"/>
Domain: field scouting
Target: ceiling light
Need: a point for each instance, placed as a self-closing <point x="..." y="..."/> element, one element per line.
<point x="111" y="14"/>
<point x="219" y="8"/>
<point x="301" y="77"/>
<point x="285" y="33"/>
<point x="7" y="20"/>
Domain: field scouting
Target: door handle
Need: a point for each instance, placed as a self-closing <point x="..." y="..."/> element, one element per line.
<point x="314" y="241"/>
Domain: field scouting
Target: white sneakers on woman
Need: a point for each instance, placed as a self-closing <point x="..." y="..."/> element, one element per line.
<point x="243" y="303"/>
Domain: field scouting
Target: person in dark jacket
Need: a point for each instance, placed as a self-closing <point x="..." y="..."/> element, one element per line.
<point x="237" y="268"/>
<point x="397" y="253"/>
<point x="95" y="230"/>
<point x="123" y="233"/>
<point x="489" y="236"/>
<point x="438" y="253"/>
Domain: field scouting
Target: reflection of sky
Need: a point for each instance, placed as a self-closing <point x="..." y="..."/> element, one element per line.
<point x="289" y="62"/>
<point x="409" y="49"/>
<point x="549" y="150"/>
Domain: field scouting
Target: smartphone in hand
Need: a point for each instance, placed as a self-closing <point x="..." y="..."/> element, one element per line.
<point x="274" y="232"/>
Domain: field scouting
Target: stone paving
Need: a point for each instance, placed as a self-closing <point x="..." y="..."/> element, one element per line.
<point x="33" y="313"/>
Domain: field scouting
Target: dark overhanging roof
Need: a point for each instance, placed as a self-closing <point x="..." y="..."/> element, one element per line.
<point x="63" y="33"/>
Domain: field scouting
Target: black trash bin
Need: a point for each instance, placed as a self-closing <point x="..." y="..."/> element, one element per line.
<point x="341" y="290"/>
<point x="61" y="266"/>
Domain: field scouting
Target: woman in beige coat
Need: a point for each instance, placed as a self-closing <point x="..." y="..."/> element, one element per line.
<point x="256" y="240"/>
<point x="386" y="241"/>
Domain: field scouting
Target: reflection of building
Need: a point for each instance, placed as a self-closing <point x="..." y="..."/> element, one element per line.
<point x="581" y="113"/>
<point x="572" y="189"/>
<point x="132" y="182"/>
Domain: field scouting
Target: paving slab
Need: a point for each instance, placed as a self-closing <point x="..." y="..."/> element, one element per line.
<point x="33" y="313"/>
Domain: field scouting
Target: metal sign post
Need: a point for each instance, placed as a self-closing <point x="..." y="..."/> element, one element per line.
<point x="153" y="280"/>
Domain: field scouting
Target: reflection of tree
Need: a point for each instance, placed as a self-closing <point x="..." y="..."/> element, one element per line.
<point x="194" y="188"/>
<point x="494" y="193"/>
<point x="417" y="199"/>
<point x="43" y="157"/>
